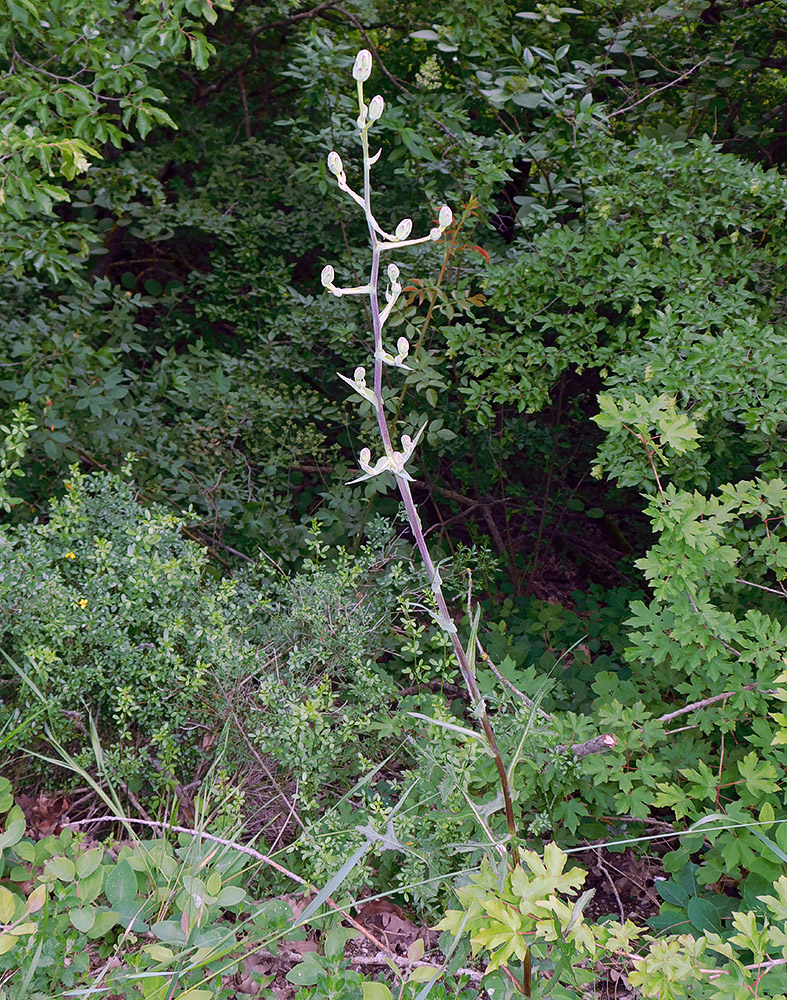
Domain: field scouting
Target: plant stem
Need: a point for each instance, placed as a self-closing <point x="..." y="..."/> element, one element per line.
<point x="410" y="507"/>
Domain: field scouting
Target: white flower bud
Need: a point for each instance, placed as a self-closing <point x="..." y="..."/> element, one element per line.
<point x="404" y="229"/>
<point x="365" y="457"/>
<point x="436" y="233"/>
<point x="446" y="217"/>
<point x="360" y="375"/>
<point x="335" y="164"/>
<point x="393" y="273"/>
<point x="362" y="69"/>
<point x="327" y="275"/>
<point x="403" y="346"/>
<point x="376" y="108"/>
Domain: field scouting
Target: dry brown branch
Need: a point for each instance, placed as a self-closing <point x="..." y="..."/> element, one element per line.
<point x="599" y="744"/>
<point x="473" y="975"/>
<point x="605" y="872"/>
<point x="527" y="702"/>
<point x="709" y="701"/>
<point x="657" y="90"/>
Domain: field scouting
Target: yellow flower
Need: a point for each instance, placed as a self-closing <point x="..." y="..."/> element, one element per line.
<point x="69" y="555"/>
<point x="82" y="602"/>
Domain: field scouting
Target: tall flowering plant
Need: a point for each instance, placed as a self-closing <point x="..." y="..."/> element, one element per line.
<point x="392" y="459"/>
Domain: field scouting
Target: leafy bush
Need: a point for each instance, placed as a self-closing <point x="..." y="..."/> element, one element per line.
<point x="105" y="607"/>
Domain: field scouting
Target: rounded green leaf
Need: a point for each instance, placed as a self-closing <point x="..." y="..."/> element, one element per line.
<point x="169" y="931"/>
<point x="25" y="850"/>
<point x="7" y="942"/>
<point x="423" y="974"/>
<point x="62" y="868"/>
<point x="87" y="863"/>
<point x="376" y="991"/>
<point x="104" y="922"/>
<point x="7" y="906"/>
<point x="14" y="828"/>
<point x="231" y="895"/>
<point x="88" y="888"/>
<point x="82" y="917"/>
<point x="307" y="974"/>
<point x="120" y="886"/>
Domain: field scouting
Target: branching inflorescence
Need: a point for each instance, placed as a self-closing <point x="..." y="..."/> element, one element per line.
<point x="393" y="460"/>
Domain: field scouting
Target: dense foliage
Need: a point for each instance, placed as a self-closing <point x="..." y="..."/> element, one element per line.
<point x="203" y="625"/>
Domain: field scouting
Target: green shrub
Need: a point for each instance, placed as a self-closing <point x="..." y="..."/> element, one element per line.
<point x="108" y="613"/>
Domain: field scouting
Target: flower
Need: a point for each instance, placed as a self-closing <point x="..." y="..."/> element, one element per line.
<point x="82" y="602"/>
<point x="376" y="108"/>
<point x="69" y="555"/>
<point x="362" y="69"/>
<point x="335" y="164"/>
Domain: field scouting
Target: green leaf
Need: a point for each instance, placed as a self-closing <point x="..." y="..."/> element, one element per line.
<point x="62" y="868"/>
<point x="305" y="974"/>
<point x="105" y="921"/>
<point x="88" y="888"/>
<point x="336" y="940"/>
<point x="14" y="828"/>
<point x="169" y="931"/>
<point x="7" y="905"/>
<point x="703" y="915"/>
<point x="201" y="49"/>
<point x="423" y="974"/>
<point x="83" y="918"/>
<point x="120" y="885"/>
<point x="375" y="991"/>
<point x="231" y="895"/>
<point x="87" y="863"/>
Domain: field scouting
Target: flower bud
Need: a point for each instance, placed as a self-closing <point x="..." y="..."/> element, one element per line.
<point x="335" y="164"/>
<point x="403" y="346"/>
<point x="393" y="272"/>
<point x="436" y="233"/>
<point x="446" y="217"/>
<point x="360" y="375"/>
<point x="376" y="108"/>
<point x="362" y="69"/>
<point x="327" y="275"/>
<point x="365" y="457"/>
<point x="404" y="229"/>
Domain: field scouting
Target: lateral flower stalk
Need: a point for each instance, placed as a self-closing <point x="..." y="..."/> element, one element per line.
<point x="394" y="461"/>
<point x="358" y="384"/>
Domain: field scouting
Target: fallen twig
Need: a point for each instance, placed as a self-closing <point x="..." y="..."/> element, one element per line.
<point x="598" y="744"/>
<point x="710" y="701"/>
